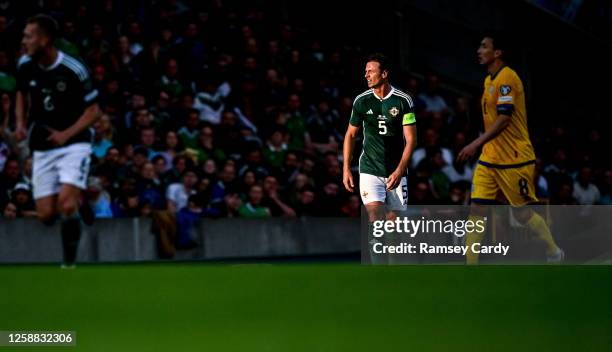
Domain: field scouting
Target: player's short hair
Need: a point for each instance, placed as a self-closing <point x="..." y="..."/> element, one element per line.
<point x="500" y="41"/>
<point x="46" y="24"/>
<point x="382" y="61"/>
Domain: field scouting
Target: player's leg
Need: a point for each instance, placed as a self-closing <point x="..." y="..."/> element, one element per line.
<point x="46" y="210"/>
<point x="73" y="171"/>
<point x="519" y="188"/>
<point x="484" y="192"/>
<point x="45" y="185"/>
<point x="373" y="194"/>
<point x="396" y="203"/>
<point x="67" y="205"/>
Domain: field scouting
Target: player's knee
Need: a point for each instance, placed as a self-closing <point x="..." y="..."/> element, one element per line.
<point x="478" y="209"/>
<point x="522" y="214"/>
<point x="67" y="207"/>
<point x="375" y="211"/>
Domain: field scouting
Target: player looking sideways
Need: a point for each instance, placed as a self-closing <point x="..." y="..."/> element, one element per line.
<point x="55" y="92"/>
<point x="507" y="163"/>
<point x="389" y="128"/>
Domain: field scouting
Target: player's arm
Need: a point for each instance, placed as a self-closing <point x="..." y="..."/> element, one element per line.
<point x="89" y="117"/>
<point x="354" y="125"/>
<point x="505" y="108"/>
<point x="498" y="126"/>
<point x="347" y="156"/>
<point x="410" y="138"/>
<point x="20" y="117"/>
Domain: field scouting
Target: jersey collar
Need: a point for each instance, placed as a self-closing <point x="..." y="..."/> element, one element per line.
<point x="58" y="60"/>
<point x="386" y="96"/>
<point x="498" y="71"/>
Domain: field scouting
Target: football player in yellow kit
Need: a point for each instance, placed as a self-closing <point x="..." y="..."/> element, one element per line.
<point x="507" y="162"/>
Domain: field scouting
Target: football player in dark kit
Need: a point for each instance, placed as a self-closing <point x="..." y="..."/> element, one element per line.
<point x="55" y="93"/>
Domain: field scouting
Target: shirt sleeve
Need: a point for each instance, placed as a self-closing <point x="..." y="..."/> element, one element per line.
<point x="356" y="116"/>
<point x="506" y="94"/>
<point x="21" y="76"/>
<point x="86" y="90"/>
<point x="409" y="117"/>
<point x="90" y="94"/>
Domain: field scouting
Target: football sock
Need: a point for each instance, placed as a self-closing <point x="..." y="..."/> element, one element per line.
<point x="538" y="225"/>
<point x="374" y="257"/>
<point x="71" y="233"/>
<point x="472" y="237"/>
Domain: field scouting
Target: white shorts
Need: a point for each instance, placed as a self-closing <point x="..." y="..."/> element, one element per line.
<point x="64" y="165"/>
<point x="374" y="189"/>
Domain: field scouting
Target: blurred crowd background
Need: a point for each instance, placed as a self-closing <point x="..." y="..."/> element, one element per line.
<point x="222" y="109"/>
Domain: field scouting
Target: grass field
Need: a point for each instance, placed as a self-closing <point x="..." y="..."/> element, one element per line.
<point x="312" y="307"/>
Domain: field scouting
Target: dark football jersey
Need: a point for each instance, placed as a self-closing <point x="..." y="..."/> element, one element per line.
<point x="58" y="96"/>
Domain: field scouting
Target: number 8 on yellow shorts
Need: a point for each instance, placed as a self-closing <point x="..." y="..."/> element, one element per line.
<point x="515" y="182"/>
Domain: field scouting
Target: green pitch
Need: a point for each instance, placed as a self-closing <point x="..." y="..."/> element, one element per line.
<point x="312" y="307"/>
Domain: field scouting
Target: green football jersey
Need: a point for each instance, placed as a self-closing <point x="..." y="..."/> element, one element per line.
<point x="383" y="136"/>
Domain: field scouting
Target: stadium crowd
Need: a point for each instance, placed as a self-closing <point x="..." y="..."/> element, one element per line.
<point x="215" y="112"/>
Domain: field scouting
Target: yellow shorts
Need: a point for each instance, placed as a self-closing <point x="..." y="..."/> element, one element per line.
<point x="516" y="183"/>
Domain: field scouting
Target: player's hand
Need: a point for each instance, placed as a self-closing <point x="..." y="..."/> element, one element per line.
<point x="58" y="138"/>
<point x="20" y="134"/>
<point x="394" y="180"/>
<point x="467" y="153"/>
<point x="347" y="179"/>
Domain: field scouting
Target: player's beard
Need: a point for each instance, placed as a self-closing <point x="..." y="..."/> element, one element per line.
<point x="38" y="53"/>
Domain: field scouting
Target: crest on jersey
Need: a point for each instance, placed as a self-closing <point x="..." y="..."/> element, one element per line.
<point x="505" y="90"/>
<point x="491" y="90"/>
<point x="394" y="111"/>
<point x="61" y="86"/>
<point x="364" y="194"/>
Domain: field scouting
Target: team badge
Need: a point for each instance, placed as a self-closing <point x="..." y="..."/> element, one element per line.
<point x="394" y="111"/>
<point x="491" y="90"/>
<point x="505" y="90"/>
<point x="364" y="194"/>
<point x="61" y="86"/>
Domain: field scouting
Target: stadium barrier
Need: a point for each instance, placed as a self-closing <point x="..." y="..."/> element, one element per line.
<point x="125" y="240"/>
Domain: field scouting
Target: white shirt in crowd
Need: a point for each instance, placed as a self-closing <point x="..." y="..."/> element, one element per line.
<point x="176" y="193"/>
<point x="586" y="196"/>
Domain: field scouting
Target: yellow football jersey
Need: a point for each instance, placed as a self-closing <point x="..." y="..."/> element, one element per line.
<point x="504" y="94"/>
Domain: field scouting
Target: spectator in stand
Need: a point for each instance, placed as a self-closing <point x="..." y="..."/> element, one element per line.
<point x="188" y="134"/>
<point x="431" y="144"/>
<point x="296" y="124"/>
<point x="172" y="146"/>
<point x="306" y="203"/>
<point x="457" y="171"/>
<point x="275" y="150"/>
<point x="186" y="220"/>
<point x="272" y="199"/>
<point x="207" y="148"/>
<point x="321" y="129"/>
<point x="225" y="184"/>
<point x="431" y="98"/>
<point x="585" y="192"/>
<point x="99" y="199"/>
<point x="150" y="189"/>
<point x="147" y="141"/>
<point x="563" y="194"/>
<point x="10" y="176"/>
<point x="21" y="198"/>
<point x="352" y="207"/>
<point x="103" y="136"/>
<point x="253" y="207"/>
<point x="178" y="193"/>
<point x="606" y="188"/>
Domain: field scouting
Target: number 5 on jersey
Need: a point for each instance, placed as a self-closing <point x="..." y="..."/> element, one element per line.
<point x="382" y="128"/>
